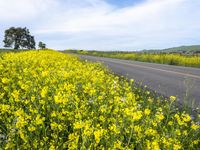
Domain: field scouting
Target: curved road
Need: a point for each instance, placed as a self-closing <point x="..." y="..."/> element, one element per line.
<point x="167" y="80"/>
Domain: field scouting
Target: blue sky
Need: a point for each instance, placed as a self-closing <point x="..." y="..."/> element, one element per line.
<point x="124" y="3"/>
<point x="105" y="24"/>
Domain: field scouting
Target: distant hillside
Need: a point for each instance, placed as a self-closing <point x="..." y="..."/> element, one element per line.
<point x="181" y="49"/>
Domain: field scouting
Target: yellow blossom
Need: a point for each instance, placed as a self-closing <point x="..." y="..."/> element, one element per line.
<point x="39" y="120"/>
<point x="160" y="116"/>
<point x="31" y="128"/>
<point x="195" y="127"/>
<point x="98" y="134"/>
<point x="147" y="111"/>
<point x="172" y="98"/>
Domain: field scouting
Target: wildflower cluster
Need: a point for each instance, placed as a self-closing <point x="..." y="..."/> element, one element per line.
<point x="50" y="100"/>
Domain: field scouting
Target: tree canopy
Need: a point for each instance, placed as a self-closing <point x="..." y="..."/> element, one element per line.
<point x="42" y="45"/>
<point x="18" y="38"/>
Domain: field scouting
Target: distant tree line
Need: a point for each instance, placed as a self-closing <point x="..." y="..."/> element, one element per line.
<point x="20" y="38"/>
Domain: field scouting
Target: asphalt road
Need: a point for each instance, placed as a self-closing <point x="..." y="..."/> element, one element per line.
<point x="167" y="80"/>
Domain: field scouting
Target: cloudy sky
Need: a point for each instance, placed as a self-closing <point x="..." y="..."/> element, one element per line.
<point x="105" y="24"/>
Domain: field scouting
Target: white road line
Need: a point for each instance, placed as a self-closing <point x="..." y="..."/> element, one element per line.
<point x="168" y="71"/>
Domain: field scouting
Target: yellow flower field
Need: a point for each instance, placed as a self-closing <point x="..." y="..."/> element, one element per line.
<point x="50" y="100"/>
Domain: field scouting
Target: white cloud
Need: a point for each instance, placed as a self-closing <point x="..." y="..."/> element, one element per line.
<point x="16" y="10"/>
<point x="95" y="24"/>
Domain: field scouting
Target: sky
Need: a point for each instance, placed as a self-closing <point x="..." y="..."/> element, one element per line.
<point x="105" y="24"/>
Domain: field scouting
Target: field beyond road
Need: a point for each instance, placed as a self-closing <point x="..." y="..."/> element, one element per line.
<point x="177" y="59"/>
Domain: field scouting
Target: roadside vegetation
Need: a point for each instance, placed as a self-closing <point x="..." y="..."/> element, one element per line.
<point x="51" y="100"/>
<point x="179" y="59"/>
<point x="2" y="50"/>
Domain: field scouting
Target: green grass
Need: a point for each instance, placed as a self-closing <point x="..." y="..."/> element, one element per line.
<point x="5" y="50"/>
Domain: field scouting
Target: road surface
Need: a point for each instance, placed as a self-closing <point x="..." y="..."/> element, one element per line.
<point x="167" y="80"/>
